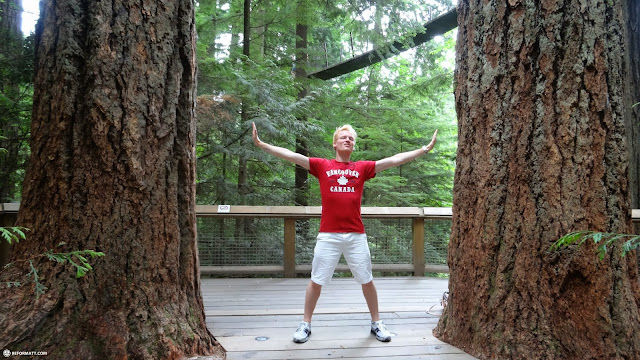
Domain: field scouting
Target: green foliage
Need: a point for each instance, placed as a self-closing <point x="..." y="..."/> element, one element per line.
<point x="16" y="97"/>
<point x="395" y="105"/>
<point x="76" y="258"/>
<point x="13" y="234"/>
<point x="223" y="137"/>
<point x="39" y="288"/>
<point x="604" y="241"/>
<point x="394" y="110"/>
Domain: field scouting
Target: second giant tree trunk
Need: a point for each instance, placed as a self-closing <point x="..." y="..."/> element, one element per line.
<point x="542" y="152"/>
<point x="632" y="100"/>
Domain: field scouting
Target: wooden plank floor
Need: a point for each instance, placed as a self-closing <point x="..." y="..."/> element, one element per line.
<point x="241" y="312"/>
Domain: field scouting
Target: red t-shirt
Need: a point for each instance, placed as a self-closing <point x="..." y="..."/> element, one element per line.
<point x="341" y="186"/>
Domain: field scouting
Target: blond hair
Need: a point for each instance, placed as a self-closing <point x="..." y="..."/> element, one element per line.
<point x="344" y="127"/>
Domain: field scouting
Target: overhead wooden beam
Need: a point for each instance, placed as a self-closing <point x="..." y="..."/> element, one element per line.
<point x="437" y="26"/>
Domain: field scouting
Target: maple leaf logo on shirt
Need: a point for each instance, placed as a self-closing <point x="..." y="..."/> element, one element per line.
<point x="342" y="180"/>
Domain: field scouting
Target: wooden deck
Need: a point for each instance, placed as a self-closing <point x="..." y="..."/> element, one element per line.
<point x="256" y="318"/>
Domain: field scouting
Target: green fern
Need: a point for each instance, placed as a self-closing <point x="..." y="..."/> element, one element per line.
<point x="39" y="288"/>
<point x="604" y="241"/>
<point x="13" y="234"/>
<point x="76" y="258"/>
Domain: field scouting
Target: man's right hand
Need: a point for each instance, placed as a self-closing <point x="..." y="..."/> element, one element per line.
<point x="256" y="139"/>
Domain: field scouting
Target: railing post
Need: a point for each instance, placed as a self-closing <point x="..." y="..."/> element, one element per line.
<point x="289" y="260"/>
<point x="418" y="246"/>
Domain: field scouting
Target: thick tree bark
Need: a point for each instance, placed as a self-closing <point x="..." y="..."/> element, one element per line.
<point x="112" y="169"/>
<point x="632" y="96"/>
<point x="542" y="152"/>
<point x="632" y="100"/>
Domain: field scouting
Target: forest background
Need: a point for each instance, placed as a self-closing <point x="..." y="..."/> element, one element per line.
<point x="394" y="105"/>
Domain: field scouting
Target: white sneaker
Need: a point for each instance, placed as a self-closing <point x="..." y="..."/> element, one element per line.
<point x="381" y="332"/>
<point x="302" y="334"/>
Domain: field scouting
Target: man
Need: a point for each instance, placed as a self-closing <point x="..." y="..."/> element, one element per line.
<point x="341" y="228"/>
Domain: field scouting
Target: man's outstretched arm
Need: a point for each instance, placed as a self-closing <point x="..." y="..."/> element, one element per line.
<point x="401" y="158"/>
<point x="282" y="153"/>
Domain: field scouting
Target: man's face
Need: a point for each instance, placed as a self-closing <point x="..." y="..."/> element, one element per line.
<point x="345" y="141"/>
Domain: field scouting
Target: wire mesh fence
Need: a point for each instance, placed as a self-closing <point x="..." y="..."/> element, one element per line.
<point x="436" y="241"/>
<point x="240" y="241"/>
<point x="259" y="241"/>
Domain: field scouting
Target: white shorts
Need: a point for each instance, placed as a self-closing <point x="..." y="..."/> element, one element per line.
<point x="329" y="247"/>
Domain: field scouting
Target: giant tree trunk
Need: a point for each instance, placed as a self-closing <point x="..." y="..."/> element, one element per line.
<point x="112" y="169"/>
<point x="632" y="100"/>
<point x="632" y="97"/>
<point x="542" y="152"/>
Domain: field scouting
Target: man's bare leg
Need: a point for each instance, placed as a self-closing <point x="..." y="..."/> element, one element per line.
<point x="371" y="296"/>
<point x="311" y="299"/>
<point x="377" y="327"/>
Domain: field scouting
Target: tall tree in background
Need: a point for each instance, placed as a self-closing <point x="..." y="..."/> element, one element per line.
<point x="542" y="152"/>
<point x="16" y="56"/>
<point x="112" y="169"/>
<point x="303" y="11"/>
<point x="243" y="225"/>
<point x="243" y="186"/>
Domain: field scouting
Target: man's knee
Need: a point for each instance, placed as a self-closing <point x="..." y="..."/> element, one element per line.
<point x="368" y="285"/>
<point x="315" y="286"/>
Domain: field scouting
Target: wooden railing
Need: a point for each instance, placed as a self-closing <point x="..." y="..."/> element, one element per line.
<point x="291" y="214"/>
